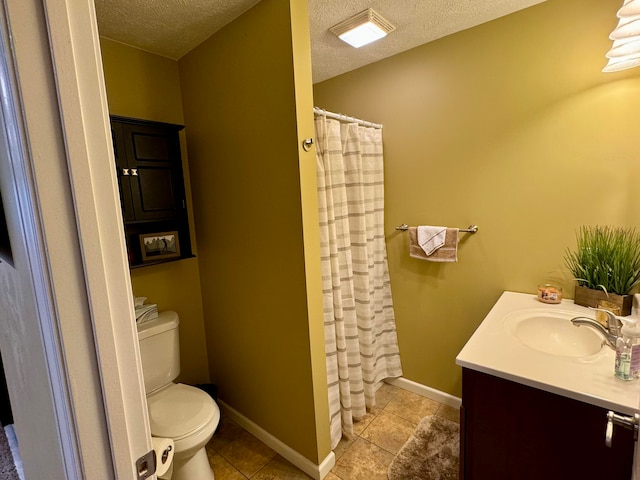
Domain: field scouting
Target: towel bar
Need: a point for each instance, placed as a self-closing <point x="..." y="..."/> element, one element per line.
<point x="469" y="229"/>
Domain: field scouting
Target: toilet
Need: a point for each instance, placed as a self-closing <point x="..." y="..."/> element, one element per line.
<point x="181" y="412"/>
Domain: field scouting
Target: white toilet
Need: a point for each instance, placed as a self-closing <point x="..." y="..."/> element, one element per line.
<point x="184" y="413"/>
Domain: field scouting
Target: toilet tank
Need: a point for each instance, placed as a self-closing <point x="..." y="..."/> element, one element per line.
<point x="159" y="350"/>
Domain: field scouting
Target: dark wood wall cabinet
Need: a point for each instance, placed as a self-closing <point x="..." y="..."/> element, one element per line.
<point x="512" y="431"/>
<point x="152" y="193"/>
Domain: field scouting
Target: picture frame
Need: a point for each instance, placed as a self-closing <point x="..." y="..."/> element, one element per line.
<point x="159" y="246"/>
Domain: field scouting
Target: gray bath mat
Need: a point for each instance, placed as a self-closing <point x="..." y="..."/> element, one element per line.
<point x="431" y="453"/>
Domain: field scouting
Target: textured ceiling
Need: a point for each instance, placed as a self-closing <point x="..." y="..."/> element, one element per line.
<point x="172" y="28"/>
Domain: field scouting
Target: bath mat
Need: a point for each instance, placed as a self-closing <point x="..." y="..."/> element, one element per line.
<point x="431" y="453"/>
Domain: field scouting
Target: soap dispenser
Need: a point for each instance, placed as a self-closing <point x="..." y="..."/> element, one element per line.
<point x="627" y="365"/>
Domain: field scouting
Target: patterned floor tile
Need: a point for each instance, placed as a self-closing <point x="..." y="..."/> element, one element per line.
<point x="388" y="431"/>
<point x="223" y="470"/>
<point x="360" y="425"/>
<point x="411" y="406"/>
<point x="363" y="461"/>
<point x="227" y="432"/>
<point x="280" y="469"/>
<point x="450" y="413"/>
<point x="247" y="454"/>
<point x="384" y="395"/>
<point x="343" y="445"/>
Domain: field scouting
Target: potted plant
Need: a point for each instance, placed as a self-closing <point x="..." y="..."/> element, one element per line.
<point x="606" y="265"/>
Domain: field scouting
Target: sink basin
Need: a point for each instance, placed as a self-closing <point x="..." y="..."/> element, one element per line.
<point x="551" y="332"/>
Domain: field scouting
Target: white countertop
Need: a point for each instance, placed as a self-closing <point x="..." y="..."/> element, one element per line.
<point x="493" y="349"/>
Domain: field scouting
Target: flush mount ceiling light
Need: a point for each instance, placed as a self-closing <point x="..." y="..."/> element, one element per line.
<point x="625" y="52"/>
<point x="363" y="28"/>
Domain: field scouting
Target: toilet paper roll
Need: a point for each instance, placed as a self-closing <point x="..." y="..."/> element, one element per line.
<point x="164" y="449"/>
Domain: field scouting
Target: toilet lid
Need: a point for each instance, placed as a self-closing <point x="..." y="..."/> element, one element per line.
<point x="178" y="410"/>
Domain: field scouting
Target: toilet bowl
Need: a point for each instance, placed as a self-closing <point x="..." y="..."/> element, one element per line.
<point x="186" y="414"/>
<point x="189" y="417"/>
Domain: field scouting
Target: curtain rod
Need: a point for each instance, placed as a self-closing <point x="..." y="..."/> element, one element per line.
<point x="346" y="118"/>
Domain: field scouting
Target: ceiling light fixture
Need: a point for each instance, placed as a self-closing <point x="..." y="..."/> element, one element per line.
<point x="625" y="52"/>
<point x="363" y="28"/>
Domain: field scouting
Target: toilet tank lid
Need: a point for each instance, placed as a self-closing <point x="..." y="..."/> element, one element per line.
<point x="165" y="321"/>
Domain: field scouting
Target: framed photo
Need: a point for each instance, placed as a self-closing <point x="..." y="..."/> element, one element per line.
<point x="159" y="246"/>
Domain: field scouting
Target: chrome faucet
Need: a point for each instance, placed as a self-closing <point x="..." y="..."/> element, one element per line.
<point x="610" y="331"/>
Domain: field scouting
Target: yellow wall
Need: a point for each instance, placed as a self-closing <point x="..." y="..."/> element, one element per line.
<point x="143" y="85"/>
<point x="264" y="326"/>
<point x="510" y="125"/>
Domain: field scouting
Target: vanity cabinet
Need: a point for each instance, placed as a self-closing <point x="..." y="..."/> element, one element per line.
<point x="512" y="431"/>
<point x="151" y="182"/>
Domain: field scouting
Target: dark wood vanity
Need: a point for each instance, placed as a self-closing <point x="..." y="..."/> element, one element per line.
<point x="534" y="407"/>
<point x="511" y="431"/>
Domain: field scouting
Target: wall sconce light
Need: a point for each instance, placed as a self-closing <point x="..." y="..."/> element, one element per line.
<point x="363" y="28"/>
<point x="625" y="51"/>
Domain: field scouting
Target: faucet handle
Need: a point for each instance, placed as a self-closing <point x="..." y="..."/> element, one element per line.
<point x="613" y="322"/>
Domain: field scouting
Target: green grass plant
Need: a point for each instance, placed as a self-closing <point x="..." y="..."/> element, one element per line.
<point x="606" y="258"/>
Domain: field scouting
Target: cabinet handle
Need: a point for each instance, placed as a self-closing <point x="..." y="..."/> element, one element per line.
<point x="631" y="423"/>
<point x="125" y="172"/>
<point x="134" y="172"/>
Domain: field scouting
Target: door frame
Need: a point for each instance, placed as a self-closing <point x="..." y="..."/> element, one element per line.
<point x="70" y="198"/>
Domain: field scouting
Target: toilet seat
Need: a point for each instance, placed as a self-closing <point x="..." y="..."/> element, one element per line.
<point x="179" y="410"/>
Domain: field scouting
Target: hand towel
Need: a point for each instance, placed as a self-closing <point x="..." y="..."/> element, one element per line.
<point x="447" y="253"/>
<point x="431" y="238"/>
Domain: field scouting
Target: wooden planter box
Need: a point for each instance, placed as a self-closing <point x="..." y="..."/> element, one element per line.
<point x="589" y="297"/>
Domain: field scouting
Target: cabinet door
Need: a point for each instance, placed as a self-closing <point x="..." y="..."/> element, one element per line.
<point x="154" y="172"/>
<point x="122" y="172"/>
<point x="512" y="431"/>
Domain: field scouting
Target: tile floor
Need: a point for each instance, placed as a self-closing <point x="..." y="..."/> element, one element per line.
<point x="235" y="454"/>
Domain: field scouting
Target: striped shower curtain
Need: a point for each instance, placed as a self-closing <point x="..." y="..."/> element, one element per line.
<point x="360" y="330"/>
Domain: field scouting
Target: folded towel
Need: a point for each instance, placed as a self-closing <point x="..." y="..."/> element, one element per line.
<point x="431" y="238"/>
<point x="447" y="253"/>
<point x="144" y="313"/>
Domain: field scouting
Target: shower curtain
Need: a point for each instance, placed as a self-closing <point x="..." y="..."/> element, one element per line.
<point x="360" y="330"/>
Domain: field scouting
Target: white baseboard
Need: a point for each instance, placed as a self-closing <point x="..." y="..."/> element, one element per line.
<point x="425" y="391"/>
<point x="317" y="472"/>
